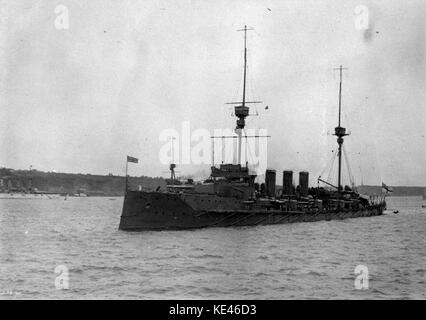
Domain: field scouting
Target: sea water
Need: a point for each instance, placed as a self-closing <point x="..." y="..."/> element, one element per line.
<point x="72" y="249"/>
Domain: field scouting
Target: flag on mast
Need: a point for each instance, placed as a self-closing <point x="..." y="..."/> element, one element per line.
<point x="387" y="188"/>
<point x="132" y="159"/>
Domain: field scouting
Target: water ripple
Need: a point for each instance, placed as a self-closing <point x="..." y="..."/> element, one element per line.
<point x="301" y="260"/>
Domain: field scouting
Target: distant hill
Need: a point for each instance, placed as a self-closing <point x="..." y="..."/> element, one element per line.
<point x="111" y="185"/>
<point x="71" y="183"/>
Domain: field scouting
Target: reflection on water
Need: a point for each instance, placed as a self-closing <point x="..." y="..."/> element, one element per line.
<point x="302" y="260"/>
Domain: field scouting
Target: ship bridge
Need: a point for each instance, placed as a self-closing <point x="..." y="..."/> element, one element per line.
<point x="233" y="172"/>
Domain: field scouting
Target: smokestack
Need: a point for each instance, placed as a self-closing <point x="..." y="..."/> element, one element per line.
<point x="304" y="183"/>
<point x="270" y="183"/>
<point x="287" y="182"/>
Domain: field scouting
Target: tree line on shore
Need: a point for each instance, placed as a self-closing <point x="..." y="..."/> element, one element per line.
<point x="72" y="183"/>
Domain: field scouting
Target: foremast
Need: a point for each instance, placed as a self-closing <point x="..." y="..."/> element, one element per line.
<point x="241" y="110"/>
<point x="236" y="171"/>
<point x="340" y="132"/>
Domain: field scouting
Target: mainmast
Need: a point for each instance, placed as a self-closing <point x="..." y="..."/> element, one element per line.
<point x="340" y="132"/>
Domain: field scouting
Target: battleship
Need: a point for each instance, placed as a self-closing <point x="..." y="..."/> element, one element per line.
<point x="231" y="197"/>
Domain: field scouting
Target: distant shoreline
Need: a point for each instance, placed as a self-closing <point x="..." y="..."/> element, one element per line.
<point x="113" y="185"/>
<point x="73" y="183"/>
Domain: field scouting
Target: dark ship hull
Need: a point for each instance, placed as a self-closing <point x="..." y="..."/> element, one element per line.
<point x="173" y="211"/>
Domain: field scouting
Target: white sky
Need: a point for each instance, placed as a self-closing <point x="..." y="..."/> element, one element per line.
<point x="80" y="100"/>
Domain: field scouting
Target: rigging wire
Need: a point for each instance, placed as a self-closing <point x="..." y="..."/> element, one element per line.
<point x="348" y="167"/>
<point x="251" y="89"/>
<point x="328" y="163"/>
<point x="332" y="166"/>
<point x="249" y="150"/>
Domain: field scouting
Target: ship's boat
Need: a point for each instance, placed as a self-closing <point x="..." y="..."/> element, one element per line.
<point x="231" y="197"/>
